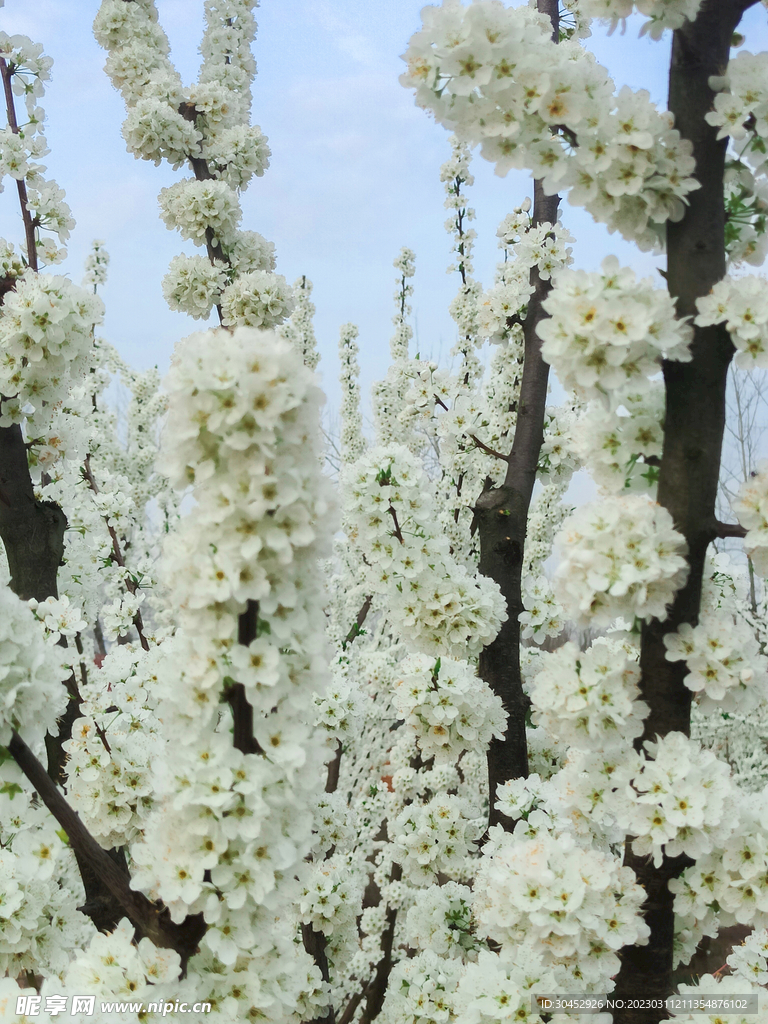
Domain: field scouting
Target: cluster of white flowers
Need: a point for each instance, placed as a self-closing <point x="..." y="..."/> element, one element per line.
<point x="680" y="800"/>
<point x="751" y="508"/>
<point x="525" y="246"/>
<point x="495" y="76"/>
<point x="616" y="448"/>
<point x="661" y="14"/>
<point x="448" y="706"/>
<point x="607" y="332"/>
<point x="234" y="808"/>
<point x="238" y="153"/>
<point x="433" y="602"/>
<point x="298" y="329"/>
<point x="96" y="263"/>
<point x="256" y="299"/>
<point x="201" y="210"/>
<point x="712" y="991"/>
<point x="563" y="899"/>
<point x="113" y="746"/>
<point x="620" y="556"/>
<point x="422" y="990"/>
<point x="587" y="699"/>
<point x="441" y="920"/>
<point x="154" y="130"/>
<point x="20" y="147"/>
<point x="742" y="304"/>
<point x="194" y="285"/>
<point x="433" y="837"/>
<point x="46" y="343"/>
<point x="352" y="440"/>
<point x="113" y="965"/>
<point x="405" y="265"/>
<point x="725" y="666"/>
<point x="742" y="96"/>
<point x="32" y="697"/>
<point x="331" y="897"/>
<point x="750" y="959"/>
<point x="543" y="615"/>
<point x="730" y="883"/>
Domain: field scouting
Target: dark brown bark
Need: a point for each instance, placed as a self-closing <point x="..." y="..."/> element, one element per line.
<point x="501" y="517"/>
<point x="314" y="944"/>
<point x="32" y="531"/>
<point x="693" y="432"/>
<point x="21" y="185"/>
<point x="377" y="988"/>
<point x="108" y="870"/>
<point x="242" y="712"/>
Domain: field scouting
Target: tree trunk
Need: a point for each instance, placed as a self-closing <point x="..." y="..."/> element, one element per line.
<point x="501" y="516"/>
<point x="690" y="466"/>
<point x="32" y="531"/>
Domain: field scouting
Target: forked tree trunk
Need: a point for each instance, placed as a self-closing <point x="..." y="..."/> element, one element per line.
<point x="690" y="465"/>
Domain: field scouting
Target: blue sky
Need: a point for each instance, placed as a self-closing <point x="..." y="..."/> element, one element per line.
<point x="354" y="172"/>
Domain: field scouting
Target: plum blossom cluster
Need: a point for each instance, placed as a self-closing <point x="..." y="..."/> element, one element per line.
<point x="751" y="508"/>
<point x="607" y="332"/>
<point x="434" y="602"/>
<point x="194" y="285"/>
<point x="543" y="615"/>
<point x="565" y="900"/>
<point x="620" y="556"/>
<point x="711" y="990"/>
<point x="525" y="246"/>
<point x="436" y="836"/>
<point x="620" y="447"/>
<point x="298" y="329"/>
<point x="352" y="440"/>
<point x="481" y="71"/>
<point x="27" y="69"/>
<point x="588" y="699"/>
<point x="257" y="299"/>
<point x="115" y="966"/>
<point x="750" y="959"/>
<point x="728" y="885"/>
<point x="679" y="800"/>
<point x="725" y="666"/>
<point x="441" y="920"/>
<point x="742" y="304"/>
<point x="448" y="706"/>
<point x="32" y="697"/>
<point x="661" y="14"/>
<point x="113" y="745"/>
<point x="45" y="343"/>
<point x="236" y="682"/>
<point x="204" y="126"/>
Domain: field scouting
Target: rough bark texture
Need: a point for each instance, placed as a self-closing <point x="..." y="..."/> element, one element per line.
<point x="501" y="516"/>
<point x="693" y="432"/>
<point x="32" y="531"/>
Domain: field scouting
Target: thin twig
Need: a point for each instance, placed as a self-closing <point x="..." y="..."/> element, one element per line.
<point x="358" y="623"/>
<point x="117" y="553"/>
<point x="398" y="532"/>
<point x="489" y="451"/>
<point x="21" y="185"/>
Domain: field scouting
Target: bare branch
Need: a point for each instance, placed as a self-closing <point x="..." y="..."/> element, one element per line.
<point x="489" y="451"/>
<point x="21" y="185"/>
<point x="358" y="623"/>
